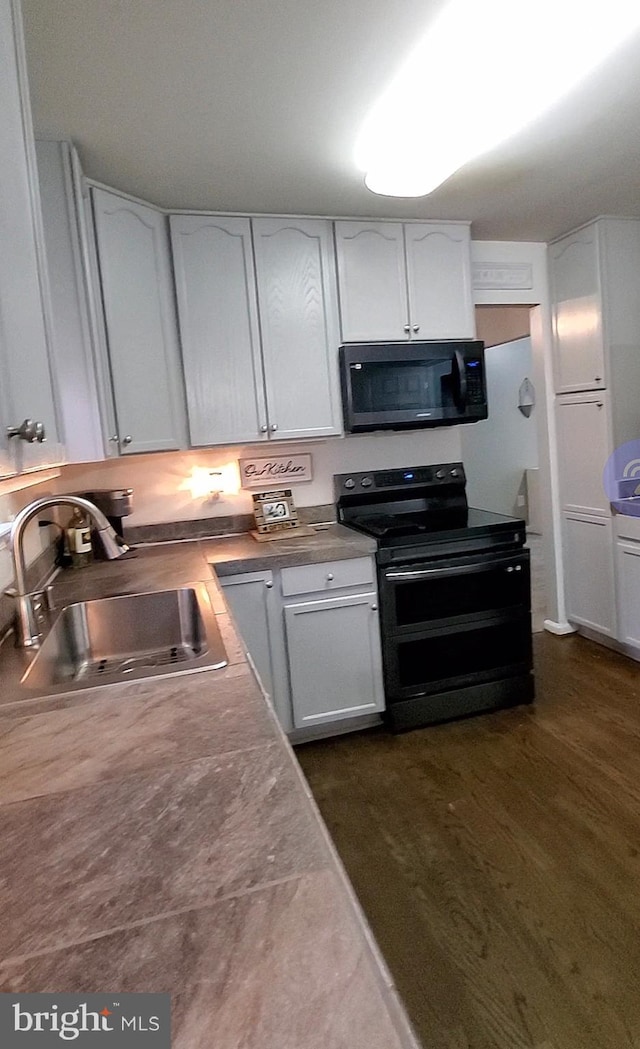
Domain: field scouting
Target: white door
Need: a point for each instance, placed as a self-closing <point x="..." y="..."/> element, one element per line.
<point x="583" y="446"/>
<point x="439" y="281"/>
<point x="372" y="281"/>
<point x="628" y="591"/>
<point x="335" y="664"/>
<point x="297" y="303"/>
<point x="142" y="334"/>
<point x="574" y="273"/>
<point x="589" y="577"/>
<point x="219" y="333"/>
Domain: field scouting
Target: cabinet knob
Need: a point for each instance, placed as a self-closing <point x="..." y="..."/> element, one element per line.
<point x="598" y="378"/>
<point x="374" y="608"/>
<point x="114" y="438"/>
<point x="29" y="431"/>
<point x="264" y="428"/>
<point x="268" y="585"/>
<point x="599" y="404"/>
<point x="273" y="427"/>
<point x="416" y="328"/>
<point x="329" y="577"/>
<point x="407" y="328"/>
<point x="127" y="440"/>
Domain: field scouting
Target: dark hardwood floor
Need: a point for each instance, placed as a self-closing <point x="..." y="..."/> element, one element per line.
<point x="498" y="858"/>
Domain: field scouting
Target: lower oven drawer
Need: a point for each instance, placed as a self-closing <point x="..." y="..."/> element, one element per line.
<point x="445" y="591"/>
<point x="457" y="656"/>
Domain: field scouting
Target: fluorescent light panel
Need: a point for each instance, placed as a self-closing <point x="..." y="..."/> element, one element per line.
<point x="484" y="70"/>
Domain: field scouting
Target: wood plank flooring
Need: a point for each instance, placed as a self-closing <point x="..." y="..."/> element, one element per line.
<point x="498" y="858"/>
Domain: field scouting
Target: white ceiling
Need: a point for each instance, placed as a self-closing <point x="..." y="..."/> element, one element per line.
<point x="254" y="106"/>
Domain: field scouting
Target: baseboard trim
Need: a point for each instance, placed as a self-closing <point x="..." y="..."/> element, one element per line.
<point x="559" y="629"/>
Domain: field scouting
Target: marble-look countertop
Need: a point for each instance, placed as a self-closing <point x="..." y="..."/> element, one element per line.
<point x="159" y="835"/>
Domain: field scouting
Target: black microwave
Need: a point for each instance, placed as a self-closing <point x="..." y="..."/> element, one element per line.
<point x="402" y="386"/>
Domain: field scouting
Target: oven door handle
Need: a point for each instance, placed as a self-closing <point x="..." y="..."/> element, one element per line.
<point x="434" y="573"/>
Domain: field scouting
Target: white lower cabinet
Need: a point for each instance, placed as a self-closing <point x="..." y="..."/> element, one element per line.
<point x="255" y="606"/>
<point x="628" y="593"/>
<point x="335" y="664"/>
<point x="313" y="635"/>
<point x="589" y="574"/>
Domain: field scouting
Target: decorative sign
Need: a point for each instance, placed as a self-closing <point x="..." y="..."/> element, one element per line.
<point x="274" y="511"/>
<point x="517" y="276"/>
<point x="277" y="469"/>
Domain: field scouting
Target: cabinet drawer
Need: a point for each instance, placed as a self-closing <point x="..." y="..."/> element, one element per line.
<point x="332" y="575"/>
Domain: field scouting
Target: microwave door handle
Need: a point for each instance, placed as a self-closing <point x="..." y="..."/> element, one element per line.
<point x="462" y="380"/>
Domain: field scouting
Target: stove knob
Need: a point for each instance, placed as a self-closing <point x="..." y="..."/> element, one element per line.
<point x="440" y="474"/>
<point x="366" y="482"/>
<point x="350" y="483"/>
<point x="455" y="473"/>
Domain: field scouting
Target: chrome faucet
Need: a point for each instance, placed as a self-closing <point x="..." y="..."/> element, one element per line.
<point x="28" y="635"/>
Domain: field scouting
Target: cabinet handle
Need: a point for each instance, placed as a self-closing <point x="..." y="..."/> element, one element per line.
<point x="268" y="585"/>
<point x="127" y="440"/>
<point x="599" y="404"/>
<point x="416" y="328"/>
<point x="374" y="608"/>
<point x="598" y="378"/>
<point x="329" y="577"/>
<point x="264" y="428"/>
<point x="114" y="439"/>
<point x="273" y="427"/>
<point x="29" y="431"/>
<point x="407" y="328"/>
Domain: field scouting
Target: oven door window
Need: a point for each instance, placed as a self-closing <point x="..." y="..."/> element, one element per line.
<point x="444" y="591"/>
<point x="401" y="386"/>
<point x="460" y="657"/>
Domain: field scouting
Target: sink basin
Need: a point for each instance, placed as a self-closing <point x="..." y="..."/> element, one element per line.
<point x="129" y="637"/>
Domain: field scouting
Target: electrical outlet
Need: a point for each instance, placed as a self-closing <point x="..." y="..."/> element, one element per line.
<point x="520" y="500"/>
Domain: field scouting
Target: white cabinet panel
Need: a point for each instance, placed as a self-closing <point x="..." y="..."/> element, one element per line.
<point x="335" y="663"/>
<point x="628" y="593"/>
<point x="439" y="281"/>
<point x="575" y="277"/>
<point x="215" y="286"/>
<point x="371" y="272"/>
<point x="27" y="383"/>
<point x="255" y="606"/>
<point x="138" y="296"/>
<point x="328" y="576"/>
<point x="298" y="321"/>
<point x="583" y="446"/>
<point x="589" y="575"/>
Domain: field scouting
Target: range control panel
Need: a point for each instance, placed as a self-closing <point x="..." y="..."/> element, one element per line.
<point x="432" y="475"/>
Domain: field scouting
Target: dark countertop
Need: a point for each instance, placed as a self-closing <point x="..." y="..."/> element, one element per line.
<point x="159" y="835"/>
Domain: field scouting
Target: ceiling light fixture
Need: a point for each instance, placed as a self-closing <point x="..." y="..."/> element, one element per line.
<point x="484" y="70"/>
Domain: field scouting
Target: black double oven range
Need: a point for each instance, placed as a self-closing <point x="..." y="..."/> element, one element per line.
<point x="455" y="593"/>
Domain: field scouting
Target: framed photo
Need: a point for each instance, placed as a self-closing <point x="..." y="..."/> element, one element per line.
<point x="274" y="511"/>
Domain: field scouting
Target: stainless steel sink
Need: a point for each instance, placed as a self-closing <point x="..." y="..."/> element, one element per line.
<point x="129" y="637"/>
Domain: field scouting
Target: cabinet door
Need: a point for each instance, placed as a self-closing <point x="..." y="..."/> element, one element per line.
<point x="628" y="593"/>
<point x="583" y="447"/>
<point x="218" y="314"/>
<point x="439" y="281"/>
<point x="142" y="335"/>
<point x="254" y="605"/>
<point x="27" y="383"/>
<point x="298" y="318"/>
<point x="588" y="565"/>
<point x="372" y="281"/>
<point x="335" y="666"/>
<point x="72" y="339"/>
<point x="574" y="271"/>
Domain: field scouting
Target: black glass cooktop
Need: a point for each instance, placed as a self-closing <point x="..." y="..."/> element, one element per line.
<point x="466" y="519"/>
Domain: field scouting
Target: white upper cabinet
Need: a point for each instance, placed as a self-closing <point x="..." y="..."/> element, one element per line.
<point x="219" y="332"/>
<point x="141" y="325"/>
<point x="27" y="382"/>
<point x="574" y="272"/>
<point x="401" y="282"/>
<point x="439" y="281"/>
<point x="372" y="278"/>
<point x="299" y="325"/>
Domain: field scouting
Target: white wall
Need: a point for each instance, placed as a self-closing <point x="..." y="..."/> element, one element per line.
<point x="160" y="481"/>
<point x="497" y="450"/>
<point x="36" y="539"/>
